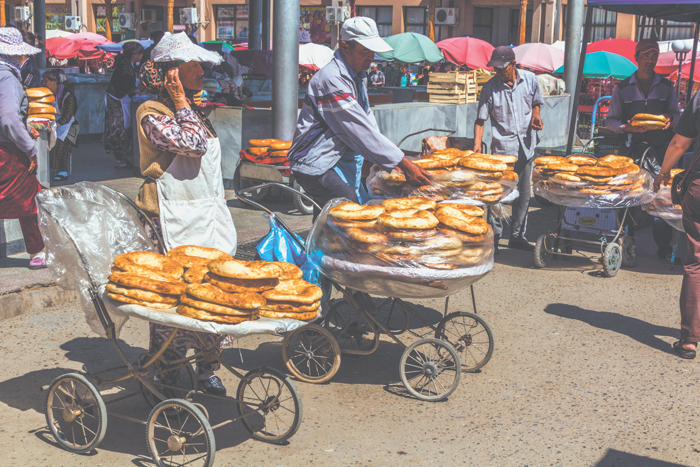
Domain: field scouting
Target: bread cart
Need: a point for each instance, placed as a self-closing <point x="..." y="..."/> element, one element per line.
<point x="430" y="368"/>
<point x="85" y="226"/>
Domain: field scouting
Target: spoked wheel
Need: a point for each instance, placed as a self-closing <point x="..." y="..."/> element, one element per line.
<point x="311" y="354"/>
<point x="270" y="405"/>
<point x="240" y="183"/>
<point x="173" y="381"/>
<point x="178" y="434"/>
<point x="430" y="369"/>
<point x="351" y="330"/>
<point x="541" y="255"/>
<point x="612" y="259"/>
<point x="300" y="202"/>
<point x="629" y="251"/>
<point x="76" y="413"/>
<point x="470" y="336"/>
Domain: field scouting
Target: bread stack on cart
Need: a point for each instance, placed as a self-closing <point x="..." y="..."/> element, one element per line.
<point x="662" y="206"/>
<point x="463" y="176"/>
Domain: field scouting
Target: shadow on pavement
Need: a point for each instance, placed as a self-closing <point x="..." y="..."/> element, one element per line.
<point x="641" y="331"/>
<point x="615" y="458"/>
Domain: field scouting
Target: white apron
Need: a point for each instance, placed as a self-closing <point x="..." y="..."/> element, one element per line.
<point x="192" y="202"/>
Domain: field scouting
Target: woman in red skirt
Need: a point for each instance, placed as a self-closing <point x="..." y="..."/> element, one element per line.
<point x="18" y="182"/>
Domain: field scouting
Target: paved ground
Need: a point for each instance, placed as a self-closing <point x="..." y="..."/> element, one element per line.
<point x="582" y="374"/>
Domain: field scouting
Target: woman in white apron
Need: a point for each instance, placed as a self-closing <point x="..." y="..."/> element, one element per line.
<point x="66" y="126"/>
<point x="180" y="155"/>
<point x="117" y="136"/>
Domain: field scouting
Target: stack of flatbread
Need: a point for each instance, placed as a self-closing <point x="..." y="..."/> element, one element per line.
<point x="146" y="278"/>
<point x="662" y="205"/>
<point x="648" y="122"/>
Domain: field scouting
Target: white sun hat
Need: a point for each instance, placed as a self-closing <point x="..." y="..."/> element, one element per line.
<point x="11" y="43"/>
<point x="363" y="30"/>
<point x="178" y="47"/>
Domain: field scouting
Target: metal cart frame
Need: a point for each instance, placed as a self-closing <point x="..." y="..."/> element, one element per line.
<point x="349" y="321"/>
<point x="178" y="430"/>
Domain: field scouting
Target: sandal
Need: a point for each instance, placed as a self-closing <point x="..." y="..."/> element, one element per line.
<point x="684" y="353"/>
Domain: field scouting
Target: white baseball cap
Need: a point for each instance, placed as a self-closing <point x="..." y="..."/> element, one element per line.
<point x="363" y="30"/>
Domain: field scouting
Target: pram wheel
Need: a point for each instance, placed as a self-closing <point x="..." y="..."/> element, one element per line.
<point x="178" y="434"/>
<point x="351" y="330"/>
<point x="612" y="259"/>
<point x="311" y="354"/>
<point x="180" y="376"/>
<point x="470" y="336"/>
<point x="629" y="253"/>
<point x="270" y="405"/>
<point x="430" y="369"/>
<point x="541" y="254"/>
<point x="76" y="413"/>
<point x="300" y="203"/>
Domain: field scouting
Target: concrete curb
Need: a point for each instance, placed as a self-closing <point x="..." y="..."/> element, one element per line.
<point x="34" y="299"/>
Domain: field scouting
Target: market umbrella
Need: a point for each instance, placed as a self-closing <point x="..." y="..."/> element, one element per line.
<point x="468" y="51"/>
<point x="82" y="45"/>
<point x="53" y="43"/>
<point x="668" y="63"/>
<point x="116" y="48"/>
<point x="539" y="57"/>
<point x="51" y="33"/>
<point x="624" y="47"/>
<point x="410" y="47"/>
<point x="685" y="71"/>
<point x="217" y="46"/>
<point x="604" y="65"/>
<point x="314" y="56"/>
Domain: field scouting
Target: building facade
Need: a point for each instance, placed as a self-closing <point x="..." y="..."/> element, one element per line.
<point x="495" y="21"/>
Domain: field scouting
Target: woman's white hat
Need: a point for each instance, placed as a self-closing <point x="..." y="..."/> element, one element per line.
<point x="176" y="47"/>
<point x="11" y="43"/>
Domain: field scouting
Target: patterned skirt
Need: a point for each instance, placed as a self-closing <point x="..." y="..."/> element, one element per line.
<point x="116" y="139"/>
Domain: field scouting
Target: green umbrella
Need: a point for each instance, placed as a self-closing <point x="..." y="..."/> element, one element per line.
<point x="224" y="45"/>
<point x="410" y="47"/>
<point x="604" y="65"/>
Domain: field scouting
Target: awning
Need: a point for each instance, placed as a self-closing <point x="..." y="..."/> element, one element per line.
<point x="685" y="10"/>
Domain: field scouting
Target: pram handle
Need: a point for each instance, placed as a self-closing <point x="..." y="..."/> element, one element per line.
<point x="450" y="133"/>
<point x="244" y="200"/>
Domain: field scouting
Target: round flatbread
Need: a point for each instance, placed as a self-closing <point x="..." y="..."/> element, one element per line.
<point x="190" y="256"/>
<point x="138" y="282"/>
<point x="195" y="275"/>
<point x="138" y="262"/>
<point x="296" y="290"/>
<point x="213" y="294"/>
<point x="291" y="271"/>
<point x="143" y="295"/>
<point x="133" y="301"/>
<point x="204" y="315"/>
<point x="281" y="315"/>
<point x="240" y="285"/>
<point x="291" y="307"/>
<point x="245" y="269"/>
<point x="213" y="307"/>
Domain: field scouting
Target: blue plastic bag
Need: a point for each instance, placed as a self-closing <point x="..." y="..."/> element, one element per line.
<point x="278" y="245"/>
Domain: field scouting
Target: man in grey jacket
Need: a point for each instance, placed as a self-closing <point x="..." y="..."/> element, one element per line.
<point x="336" y="128"/>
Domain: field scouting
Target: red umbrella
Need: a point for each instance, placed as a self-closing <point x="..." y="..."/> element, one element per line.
<point x="469" y="51"/>
<point x="82" y="45"/>
<point x="685" y="71"/>
<point x="53" y="43"/>
<point x="624" y="47"/>
<point x="668" y="64"/>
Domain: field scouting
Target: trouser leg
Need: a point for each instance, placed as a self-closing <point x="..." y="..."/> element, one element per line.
<point x="31" y="233"/>
<point x="325" y="187"/>
<point x="521" y="205"/>
<point x="663" y="236"/>
<point x="690" y="290"/>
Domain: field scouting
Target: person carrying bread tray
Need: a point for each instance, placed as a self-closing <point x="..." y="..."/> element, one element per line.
<point x="181" y="159"/>
<point x="687" y="132"/>
<point x="18" y="154"/>
<point x="512" y="99"/>
<point x="644" y="110"/>
<point x="336" y="129"/>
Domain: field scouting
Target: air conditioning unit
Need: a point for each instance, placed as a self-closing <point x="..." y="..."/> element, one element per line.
<point x="73" y="23"/>
<point x="188" y="16"/>
<point x="448" y="16"/>
<point x="337" y="14"/>
<point x="22" y="14"/>
<point x="127" y="20"/>
<point x="148" y="15"/>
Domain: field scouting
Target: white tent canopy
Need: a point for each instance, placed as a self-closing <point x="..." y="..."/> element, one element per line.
<point x="315" y="54"/>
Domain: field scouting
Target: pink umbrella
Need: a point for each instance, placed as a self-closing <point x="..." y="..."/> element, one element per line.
<point x="685" y="71"/>
<point x="539" y="57"/>
<point x="82" y="44"/>
<point x="469" y="51"/>
<point x="668" y="64"/>
<point x="624" y="47"/>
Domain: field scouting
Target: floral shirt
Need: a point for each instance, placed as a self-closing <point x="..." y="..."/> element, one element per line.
<point x="184" y="135"/>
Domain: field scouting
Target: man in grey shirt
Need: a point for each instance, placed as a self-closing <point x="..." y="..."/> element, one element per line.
<point x="512" y="99"/>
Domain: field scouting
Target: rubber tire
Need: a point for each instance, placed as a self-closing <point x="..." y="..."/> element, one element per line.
<point x="629" y="253"/>
<point x="201" y="418"/>
<point x="439" y="334"/>
<point x="402" y="370"/>
<point x="612" y="259"/>
<point x="101" y="412"/>
<point x="286" y="352"/>
<point x="540" y="254"/>
<point x="238" y="186"/>
<point x="299" y="202"/>
<point x="295" y="395"/>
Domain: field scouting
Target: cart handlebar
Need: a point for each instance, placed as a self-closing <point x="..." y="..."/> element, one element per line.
<point x="450" y="133"/>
